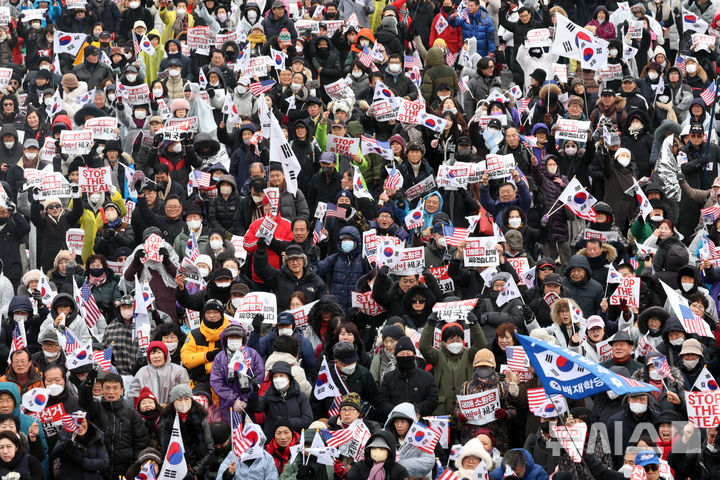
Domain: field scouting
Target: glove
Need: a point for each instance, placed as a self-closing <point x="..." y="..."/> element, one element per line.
<point x="163" y="251"/>
<point x="211" y="93"/>
<point x="254" y="382"/>
<point x="157" y="139"/>
<point x="483" y="319"/>
<point x="262" y="244"/>
<point x="501" y="414"/>
<point x="210" y="356"/>
<point x="471" y="318"/>
<point x="36" y="295"/>
<point x="108" y="234"/>
<point x="257" y="322"/>
<point x="385" y="270"/>
<point x="624" y="305"/>
<point x="239" y="405"/>
<point x="92" y="375"/>
<point x="304" y="472"/>
<point x="36" y="194"/>
<point x="139" y="254"/>
<point x="527" y="313"/>
<point x="461" y="418"/>
<point x="513" y="389"/>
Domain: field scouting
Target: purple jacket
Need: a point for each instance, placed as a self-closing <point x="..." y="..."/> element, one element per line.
<point x="226" y="390"/>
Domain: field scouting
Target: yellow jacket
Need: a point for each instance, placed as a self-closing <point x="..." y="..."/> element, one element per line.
<point x="168" y="18"/>
<point x="90" y="222"/>
<point x="192" y="355"/>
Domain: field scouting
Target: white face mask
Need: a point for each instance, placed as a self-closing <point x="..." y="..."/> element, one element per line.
<point x="55" y="389"/>
<point x="222" y="17"/>
<point x="348" y="369"/>
<point x="233" y="272"/>
<point x="177" y="148"/>
<point x="690" y="364"/>
<point x="687" y="286"/>
<point x="194" y="224"/>
<point x="182" y="406"/>
<point x="655" y="375"/>
<point x="441" y="242"/>
<point x="234" y="344"/>
<point x="677" y="342"/>
<point x="134" y="5"/>
<point x="30" y="155"/>
<point x="131" y="77"/>
<point x="356" y="74"/>
<point x="515" y="222"/>
<point x="216" y="244"/>
<point x="50" y="355"/>
<point x="455" y="347"/>
<point x="626" y="470"/>
<point x="20" y="318"/>
<point x="552" y="170"/>
<point x="9" y="145"/>
<point x="252" y="16"/>
<point x="203" y="271"/>
<point x="691" y="68"/>
<point x="94" y="197"/>
<point x="394" y="68"/>
<point x="624" y="160"/>
<point x="181" y="11"/>
<point x="281" y="383"/>
<point x="637" y="408"/>
<point x="226" y="190"/>
<point x="656" y="218"/>
<point x="158" y="93"/>
<point x="236" y="301"/>
<point x="172" y="346"/>
<point x="174" y="72"/>
<point x="652" y="75"/>
<point x="285" y="332"/>
<point x="613" y="52"/>
<point x="111" y="97"/>
<point x="223" y="284"/>
<point x="111" y="215"/>
<point x="295" y="87"/>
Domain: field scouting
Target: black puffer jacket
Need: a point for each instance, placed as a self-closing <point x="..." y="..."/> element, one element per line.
<point x="291" y="405"/>
<point x="387" y="293"/>
<point x="283" y="282"/>
<point x="224" y="215"/>
<point x="415" y="386"/>
<point x="125" y="434"/>
<point x="393" y="470"/>
<point x="51" y="233"/>
<point x="195" y="431"/>
<point x="415" y="319"/>
<point x="82" y="458"/>
<point x="10" y="237"/>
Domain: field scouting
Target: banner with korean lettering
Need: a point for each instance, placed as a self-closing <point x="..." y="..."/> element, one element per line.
<point x="479" y="408"/>
<point x="103" y="128"/>
<point x="499" y="166"/>
<point x="76" y="142"/>
<point x="480" y="252"/>
<point x="254" y="303"/>
<point x="300" y="314"/>
<point x="454" y="311"/>
<point x="575" y="130"/>
<point x="137" y="95"/>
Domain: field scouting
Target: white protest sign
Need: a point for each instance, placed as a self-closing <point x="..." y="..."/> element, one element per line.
<point x="440" y="274"/>
<point x="48" y="151"/>
<point x="483" y="120"/>
<point x="366" y="303"/>
<point x="701" y="41"/>
<point x="254" y="303"/>
<point x="342" y="145"/>
<point x="190" y="271"/>
<point x="74" y="239"/>
<point x="273" y="194"/>
<point x="611" y="72"/>
<point x="604" y="350"/>
<point x="5" y="15"/>
<point x="300" y="314"/>
<point x="420" y="188"/>
<point x="479" y="408"/>
<point x="560" y="72"/>
<point x="257" y="67"/>
<point x="103" y="128"/>
<point x="499" y="166"/>
<point x="189" y="124"/>
<point x="30" y="14"/>
<point x="635" y="28"/>
<point x="454" y="311"/>
<point x="408" y="111"/>
<point x="199" y="39"/>
<point x="521" y="265"/>
<point x="575" y="130"/>
<point x="267" y="229"/>
<point x="629" y="289"/>
<point x="76" y="142"/>
<point x="703" y="408"/>
<point x="339" y="89"/>
<point x="151" y="248"/>
<point x="5" y="75"/>
<point x="332" y="26"/>
<point x="571" y="438"/>
<point x="605" y="237"/>
<point x="54" y="184"/>
<point x="384" y="109"/>
<point x="410" y="262"/>
<point x="137" y="95"/>
<point x="538" y="37"/>
<point x="480" y="252"/>
<point x="94" y="180"/>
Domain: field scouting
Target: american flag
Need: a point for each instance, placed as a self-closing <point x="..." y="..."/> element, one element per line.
<point x="104" y="358"/>
<point x="18" y="339"/>
<point x="338" y="437"/>
<point x="694" y="324"/>
<point x="634" y="263"/>
<point x="191" y="250"/>
<point x="411" y="61"/>
<point x="710" y="213"/>
<point x="202" y="179"/>
<point x="661" y="366"/>
<point x="365" y="57"/>
<point x="708" y="95"/>
<point x="136" y="44"/>
<point x="258" y="88"/>
<point x="318" y="235"/>
<point x="449" y="58"/>
<point x="523" y="105"/>
<point x="516" y="357"/>
<point x="463" y="84"/>
<point x="92" y="312"/>
<point x="335" y="407"/>
<point x="71" y="421"/>
<point x="536" y="398"/>
<point x="454" y="236"/>
<point x="71" y="343"/>
<point x="239" y="443"/>
<point x="448" y="474"/>
<point x="393" y="179"/>
<point x="680" y="62"/>
<point x="334" y="211"/>
<point x="148" y="470"/>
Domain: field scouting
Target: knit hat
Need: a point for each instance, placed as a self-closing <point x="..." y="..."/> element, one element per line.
<point x="392" y="331"/>
<point x="180" y="391"/>
<point x="145" y="393"/>
<point x="405" y="343"/>
<point x="234" y="330"/>
<point x="204" y="259"/>
<point x="399" y="139"/>
<point x="69" y="80"/>
<point x="351" y="399"/>
<point x="179" y="104"/>
<point x="539" y="74"/>
<point x="575" y="100"/>
<point x="484" y="358"/>
<point x="51" y="201"/>
<point x="61" y="255"/>
<point x="157" y="344"/>
<point x="345" y="352"/>
<point x="386" y="208"/>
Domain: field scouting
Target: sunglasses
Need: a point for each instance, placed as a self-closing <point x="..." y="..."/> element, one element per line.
<point x="53" y="207"/>
<point x="418" y="301"/>
<point x="652" y="468"/>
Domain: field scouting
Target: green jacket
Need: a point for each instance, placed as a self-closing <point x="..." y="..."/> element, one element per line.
<point x="181" y="241"/>
<point x="321" y="137"/>
<point x="437" y="72"/>
<point x="451" y="370"/>
<point x="290" y="470"/>
<point x="641" y="230"/>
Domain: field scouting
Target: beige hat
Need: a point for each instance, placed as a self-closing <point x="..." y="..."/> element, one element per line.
<point x="69" y="80"/>
<point x="484" y="358"/>
<point x="692" y="346"/>
<point x="542" y="334"/>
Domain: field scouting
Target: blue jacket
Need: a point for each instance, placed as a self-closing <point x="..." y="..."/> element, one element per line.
<point x="264" y="346"/>
<point x="346" y="268"/>
<point x="480" y="26"/>
<point x="533" y="471"/>
<point x="497" y="208"/>
<point x="262" y="468"/>
<point x="25" y="420"/>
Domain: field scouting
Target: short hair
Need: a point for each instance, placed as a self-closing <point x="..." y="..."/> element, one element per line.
<point x="349" y="327"/>
<point x="452" y="331"/>
<point x="10" y="416"/>
<point x="301" y="219"/>
<point x="593" y="240"/>
<point x="113" y="378"/>
<point x="217" y="50"/>
<point x="287" y="344"/>
<point x="515" y="459"/>
<point x="524" y="9"/>
<point x="173" y="196"/>
<point x="700" y="298"/>
<point x="508" y="183"/>
<point x="300" y="296"/>
<point x="13" y="438"/>
<point x="52" y="366"/>
<point x="16" y="352"/>
<point x="162" y="168"/>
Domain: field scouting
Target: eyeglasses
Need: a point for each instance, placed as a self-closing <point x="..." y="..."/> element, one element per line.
<point x="418" y="301"/>
<point x="53" y="207"/>
<point x="651" y="468"/>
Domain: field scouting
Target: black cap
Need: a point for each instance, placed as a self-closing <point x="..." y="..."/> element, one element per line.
<point x="628" y="78"/>
<point x="464" y="141"/>
<point x="552" y="279"/>
<point x="697" y="128"/>
<point x="91" y="50"/>
<point x="607" y="92"/>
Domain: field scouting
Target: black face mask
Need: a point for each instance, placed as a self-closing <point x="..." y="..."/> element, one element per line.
<point x="405" y="363"/>
<point x="3" y="220"/>
<point x="95" y="272"/>
<point x="330" y="15"/>
<point x="447" y="9"/>
<point x="230" y="56"/>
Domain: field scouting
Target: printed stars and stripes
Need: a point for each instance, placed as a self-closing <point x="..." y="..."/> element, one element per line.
<point x="335" y="211"/>
<point x="449" y="58"/>
<point x="634" y="263"/>
<point x="92" y="312"/>
<point x="680" y="62"/>
<point x="710" y="213"/>
<point x="463" y="84"/>
<point x="448" y="474"/>
<point x="71" y="343"/>
<point x="71" y="421"/>
<point x="692" y="323"/>
<point x="394" y="179"/>
<point x="454" y="236"/>
<point x="258" y="88"/>
<point x="18" y="337"/>
<point x="516" y="358"/>
<point x="338" y="437"/>
<point x="104" y="358"/>
<point x="523" y="105"/>
<point x="662" y="367"/>
<point x="365" y="57"/>
<point x="202" y="179"/>
<point x="318" y="235"/>
<point x="239" y="443"/>
<point x="708" y="95"/>
<point x="411" y="61"/>
<point x="335" y="407"/>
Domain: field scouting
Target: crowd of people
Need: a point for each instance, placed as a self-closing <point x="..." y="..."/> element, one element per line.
<point x="285" y="240"/>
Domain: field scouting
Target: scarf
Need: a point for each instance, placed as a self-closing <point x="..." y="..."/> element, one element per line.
<point x="181" y="23"/>
<point x="377" y="472"/>
<point x="97" y="281"/>
<point x="256" y="39"/>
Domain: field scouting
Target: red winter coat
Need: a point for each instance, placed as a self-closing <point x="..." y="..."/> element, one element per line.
<point x="452" y="36"/>
<point x="282" y="232"/>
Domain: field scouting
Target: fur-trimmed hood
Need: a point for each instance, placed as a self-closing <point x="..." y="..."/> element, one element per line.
<point x="561" y="303"/>
<point x="609" y="251"/>
<point x="619" y="103"/>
